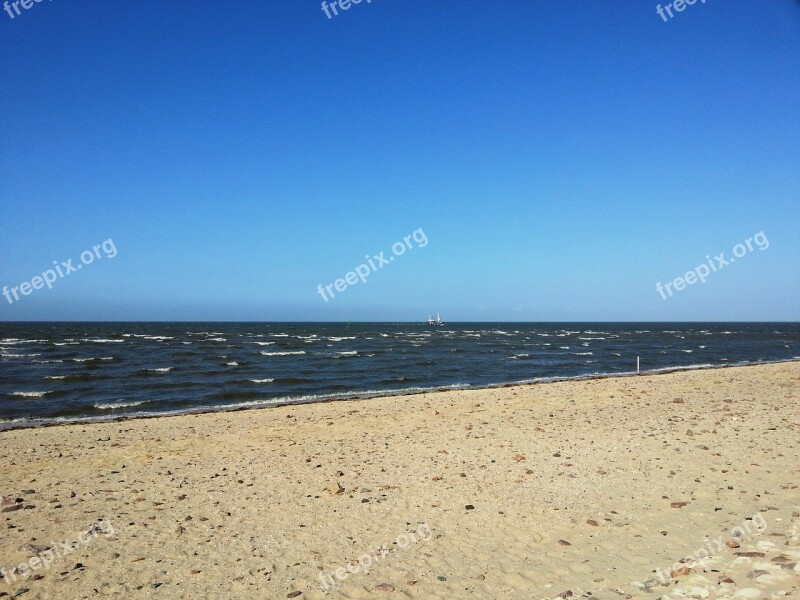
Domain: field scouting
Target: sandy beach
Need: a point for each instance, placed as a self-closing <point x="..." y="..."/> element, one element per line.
<point x="580" y="488"/>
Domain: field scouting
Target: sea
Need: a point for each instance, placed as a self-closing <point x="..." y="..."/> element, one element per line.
<point x="76" y="372"/>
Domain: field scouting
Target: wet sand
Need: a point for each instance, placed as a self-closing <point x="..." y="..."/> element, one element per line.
<point x="591" y="488"/>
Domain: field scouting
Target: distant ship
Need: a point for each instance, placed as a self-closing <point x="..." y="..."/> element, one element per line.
<point x="435" y="322"/>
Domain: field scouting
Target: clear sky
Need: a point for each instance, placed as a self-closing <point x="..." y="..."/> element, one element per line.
<point x="561" y="158"/>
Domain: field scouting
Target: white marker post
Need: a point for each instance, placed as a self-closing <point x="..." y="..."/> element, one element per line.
<point x="637" y="364"/>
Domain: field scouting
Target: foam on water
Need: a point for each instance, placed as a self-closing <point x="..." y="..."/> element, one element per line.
<point x="118" y="405"/>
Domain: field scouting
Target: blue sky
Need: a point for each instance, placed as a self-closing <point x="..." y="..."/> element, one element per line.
<point x="561" y="157"/>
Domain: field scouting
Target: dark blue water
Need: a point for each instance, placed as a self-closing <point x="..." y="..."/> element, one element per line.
<point x="53" y="372"/>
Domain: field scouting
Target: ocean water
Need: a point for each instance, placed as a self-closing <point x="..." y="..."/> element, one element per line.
<point x="56" y="372"/>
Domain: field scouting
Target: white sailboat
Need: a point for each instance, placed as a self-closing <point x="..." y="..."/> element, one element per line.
<point x="435" y="322"/>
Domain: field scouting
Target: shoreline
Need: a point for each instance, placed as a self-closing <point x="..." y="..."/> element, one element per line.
<point x="255" y="405"/>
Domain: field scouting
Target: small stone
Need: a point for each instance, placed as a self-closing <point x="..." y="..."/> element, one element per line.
<point x="566" y="594"/>
<point x="442" y="578"/>
<point x="12" y="508"/>
<point x="383" y="587"/>
<point x="469" y="507"/>
<point x="564" y="543"/>
<point x="756" y="573"/>
<point x="593" y="523"/>
<point x="33" y="548"/>
<point x="678" y="504"/>
<point x="293" y="594"/>
<point x="680" y="572"/>
<point x="750" y="554"/>
<point x="732" y="544"/>
<point x="779" y="559"/>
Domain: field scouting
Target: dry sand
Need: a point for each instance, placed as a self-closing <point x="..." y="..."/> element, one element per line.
<point x="581" y="488"/>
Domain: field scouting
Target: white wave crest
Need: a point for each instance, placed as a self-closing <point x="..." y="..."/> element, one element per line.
<point x="115" y="405"/>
